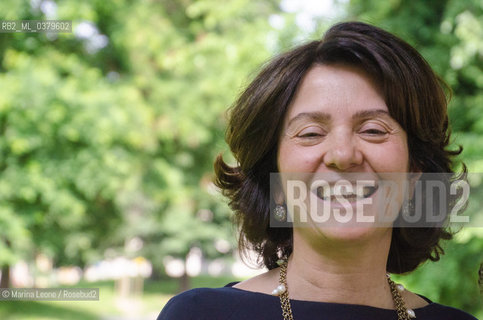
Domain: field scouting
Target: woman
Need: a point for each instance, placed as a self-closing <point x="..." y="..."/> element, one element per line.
<point x="360" y="101"/>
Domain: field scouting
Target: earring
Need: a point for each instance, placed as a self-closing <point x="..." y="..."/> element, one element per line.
<point x="408" y="207"/>
<point x="280" y="213"/>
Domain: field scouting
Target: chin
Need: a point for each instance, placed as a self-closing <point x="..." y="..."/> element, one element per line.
<point x="352" y="234"/>
<point x="341" y="236"/>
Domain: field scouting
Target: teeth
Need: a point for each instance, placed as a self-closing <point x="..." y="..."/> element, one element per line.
<point x="355" y="193"/>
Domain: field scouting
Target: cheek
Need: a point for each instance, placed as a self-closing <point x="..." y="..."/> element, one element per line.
<point x="293" y="159"/>
<point x="392" y="158"/>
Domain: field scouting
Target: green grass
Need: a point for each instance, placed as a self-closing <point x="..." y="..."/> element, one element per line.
<point x="109" y="306"/>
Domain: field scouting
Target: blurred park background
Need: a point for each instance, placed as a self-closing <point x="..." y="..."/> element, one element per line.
<point x="108" y="135"/>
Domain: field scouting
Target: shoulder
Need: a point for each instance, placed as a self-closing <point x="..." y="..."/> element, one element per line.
<point x="442" y="312"/>
<point x="414" y="301"/>
<point x="201" y="303"/>
<point x="432" y="310"/>
<point x="262" y="283"/>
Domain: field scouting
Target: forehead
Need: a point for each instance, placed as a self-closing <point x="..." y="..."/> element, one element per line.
<point x="336" y="88"/>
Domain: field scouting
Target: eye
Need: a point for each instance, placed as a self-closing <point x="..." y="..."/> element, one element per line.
<point x="311" y="133"/>
<point x="374" y="131"/>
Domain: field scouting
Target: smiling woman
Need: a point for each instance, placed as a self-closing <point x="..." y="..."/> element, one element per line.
<point x="358" y="102"/>
<point x="349" y="133"/>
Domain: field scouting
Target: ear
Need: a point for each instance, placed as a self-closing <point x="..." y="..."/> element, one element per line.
<point x="278" y="194"/>
<point x="413" y="179"/>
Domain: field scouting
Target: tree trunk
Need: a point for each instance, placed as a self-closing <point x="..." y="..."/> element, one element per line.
<point x="5" y="280"/>
<point x="184" y="282"/>
<point x="480" y="278"/>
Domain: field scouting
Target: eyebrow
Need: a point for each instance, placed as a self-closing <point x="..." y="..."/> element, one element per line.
<point x="324" y="117"/>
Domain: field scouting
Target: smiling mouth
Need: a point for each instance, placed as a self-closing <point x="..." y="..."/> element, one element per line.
<point x="351" y="195"/>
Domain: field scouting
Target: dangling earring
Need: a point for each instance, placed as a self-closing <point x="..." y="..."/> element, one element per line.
<point x="408" y="207"/>
<point x="280" y="213"/>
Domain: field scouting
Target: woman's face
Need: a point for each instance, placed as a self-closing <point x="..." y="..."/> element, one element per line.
<point x="338" y="126"/>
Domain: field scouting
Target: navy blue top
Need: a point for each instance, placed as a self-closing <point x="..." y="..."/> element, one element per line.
<point x="230" y="303"/>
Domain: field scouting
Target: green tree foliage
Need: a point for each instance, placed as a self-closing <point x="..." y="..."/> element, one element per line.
<point x="101" y="144"/>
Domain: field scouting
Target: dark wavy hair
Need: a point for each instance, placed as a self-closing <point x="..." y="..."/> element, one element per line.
<point x="415" y="97"/>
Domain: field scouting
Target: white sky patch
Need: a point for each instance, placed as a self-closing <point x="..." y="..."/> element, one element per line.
<point x="276" y="21"/>
<point x="308" y="10"/>
<point x="93" y="40"/>
<point x="85" y="30"/>
<point x="310" y="7"/>
<point x="35" y="4"/>
<point x="49" y="8"/>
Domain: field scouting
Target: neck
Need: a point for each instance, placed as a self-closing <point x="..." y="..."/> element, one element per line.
<point x="350" y="272"/>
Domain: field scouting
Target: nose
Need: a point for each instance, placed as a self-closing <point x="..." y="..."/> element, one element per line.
<point x="342" y="151"/>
